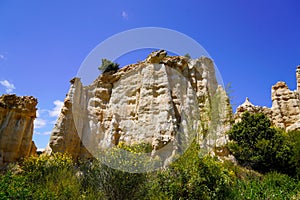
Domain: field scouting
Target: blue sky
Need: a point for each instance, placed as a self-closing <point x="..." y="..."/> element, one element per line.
<point x="42" y="43"/>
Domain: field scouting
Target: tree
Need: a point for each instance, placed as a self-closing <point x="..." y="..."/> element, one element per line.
<point x="187" y="55"/>
<point x="108" y="66"/>
<point x="294" y="141"/>
<point x="257" y="145"/>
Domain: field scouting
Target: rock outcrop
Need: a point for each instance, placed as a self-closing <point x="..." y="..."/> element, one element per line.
<point x="164" y="101"/>
<point x="64" y="137"/>
<point x="285" y="110"/>
<point x="17" y="115"/>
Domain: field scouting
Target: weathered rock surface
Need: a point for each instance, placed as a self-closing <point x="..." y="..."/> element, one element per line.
<point x="64" y="137"/>
<point x="285" y="110"/>
<point x="17" y="115"/>
<point x="164" y="101"/>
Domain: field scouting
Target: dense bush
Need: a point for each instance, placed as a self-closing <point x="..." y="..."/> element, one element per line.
<point x="112" y="183"/>
<point x="191" y="177"/>
<point x="273" y="186"/>
<point x="14" y="187"/>
<point x="257" y="145"/>
<point x="294" y="142"/>
<point x="42" y="177"/>
<point x="57" y="177"/>
<point x="38" y="168"/>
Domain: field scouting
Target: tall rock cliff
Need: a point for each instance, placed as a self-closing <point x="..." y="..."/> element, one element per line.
<point x="164" y="101"/>
<point x="285" y="110"/>
<point x="16" y="127"/>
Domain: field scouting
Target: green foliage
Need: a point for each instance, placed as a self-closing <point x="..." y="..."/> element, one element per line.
<point x="294" y="142"/>
<point x="90" y="179"/>
<point x="38" y="168"/>
<point x="108" y="66"/>
<point x="187" y="55"/>
<point x="115" y="183"/>
<point x="257" y="145"/>
<point x="272" y="186"/>
<point x="136" y="148"/>
<point x="42" y="177"/>
<point x="230" y="93"/>
<point x="134" y="158"/>
<point x="53" y="177"/>
<point x="191" y="177"/>
<point x="14" y="187"/>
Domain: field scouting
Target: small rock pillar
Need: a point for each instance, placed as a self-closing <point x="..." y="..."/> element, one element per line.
<point x="298" y="78"/>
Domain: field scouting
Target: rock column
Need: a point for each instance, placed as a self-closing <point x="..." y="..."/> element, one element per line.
<point x="298" y="78"/>
<point x="17" y="115"/>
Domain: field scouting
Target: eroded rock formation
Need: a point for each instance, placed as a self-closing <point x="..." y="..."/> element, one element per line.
<point x="164" y="101"/>
<point x="285" y="110"/>
<point x="17" y="115"/>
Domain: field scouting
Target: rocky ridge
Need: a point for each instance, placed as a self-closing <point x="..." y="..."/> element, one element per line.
<point x="17" y="115"/>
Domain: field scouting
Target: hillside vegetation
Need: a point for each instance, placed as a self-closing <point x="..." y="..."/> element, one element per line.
<point x="268" y="168"/>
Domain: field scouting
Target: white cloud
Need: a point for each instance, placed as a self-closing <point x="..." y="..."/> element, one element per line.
<point x="124" y="14"/>
<point x="2" y="57"/>
<point x="36" y="132"/>
<point x="9" y="87"/>
<point x="38" y="114"/>
<point x="39" y="123"/>
<point x="42" y="133"/>
<point x="56" y="110"/>
<point x="47" y="133"/>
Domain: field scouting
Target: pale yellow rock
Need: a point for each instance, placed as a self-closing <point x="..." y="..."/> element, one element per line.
<point x="285" y="110"/>
<point x="248" y="106"/>
<point x="17" y="115"/>
<point x="163" y="101"/>
<point x="64" y="137"/>
<point x="156" y="56"/>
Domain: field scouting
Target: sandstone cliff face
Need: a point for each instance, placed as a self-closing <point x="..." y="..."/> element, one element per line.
<point x="164" y="101"/>
<point x="16" y="127"/>
<point x="285" y="110"/>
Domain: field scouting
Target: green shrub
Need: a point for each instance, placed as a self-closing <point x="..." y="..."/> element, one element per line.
<point x="257" y="145"/>
<point x="273" y="186"/>
<point x="14" y="187"/>
<point x="294" y="141"/>
<point x="108" y="66"/>
<point x="187" y="55"/>
<point x="51" y="177"/>
<point x="38" y="168"/>
<point x="191" y="177"/>
<point x="114" y="183"/>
